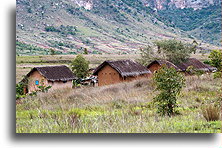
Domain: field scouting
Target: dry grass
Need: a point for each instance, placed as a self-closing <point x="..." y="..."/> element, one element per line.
<point x="211" y="112"/>
<point x="124" y="107"/>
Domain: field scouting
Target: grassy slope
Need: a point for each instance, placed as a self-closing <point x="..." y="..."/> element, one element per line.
<point x="121" y="108"/>
<point x="108" y="28"/>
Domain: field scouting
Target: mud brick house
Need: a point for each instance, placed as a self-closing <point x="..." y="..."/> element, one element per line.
<point x="55" y="76"/>
<point x="111" y="72"/>
<point x="157" y="64"/>
<point x="182" y="67"/>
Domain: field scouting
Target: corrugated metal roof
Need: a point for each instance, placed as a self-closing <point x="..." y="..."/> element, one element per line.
<point x="124" y="67"/>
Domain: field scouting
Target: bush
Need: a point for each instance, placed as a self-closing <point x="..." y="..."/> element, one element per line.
<point x="19" y="91"/>
<point x="169" y="82"/>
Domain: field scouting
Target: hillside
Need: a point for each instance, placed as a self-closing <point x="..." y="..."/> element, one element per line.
<point x="121" y="27"/>
<point x="107" y="26"/>
<point x="204" y="24"/>
<point x="180" y="4"/>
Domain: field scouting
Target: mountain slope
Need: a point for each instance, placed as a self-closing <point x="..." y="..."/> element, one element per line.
<point x="100" y="26"/>
<point x="204" y="24"/>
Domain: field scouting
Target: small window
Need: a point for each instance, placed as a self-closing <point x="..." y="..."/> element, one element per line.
<point x="64" y="81"/>
<point x="37" y="82"/>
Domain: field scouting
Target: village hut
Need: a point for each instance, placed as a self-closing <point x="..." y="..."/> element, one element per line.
<point x="55" y="76"/>
<point x="111" y="72"/>
<point x="157" y="64"/>
<point x="195" y="64"/>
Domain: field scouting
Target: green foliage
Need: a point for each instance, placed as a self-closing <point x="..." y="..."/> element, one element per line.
<point x="44" y="88"/>
<point x="19" y="91"/>
<point x="80" y="66"/>
<point x="147" y="55"/>
<point x="28" y="49"/>
<point x="175" y="51"/>
<point x="86" y="51"/>
<point x="169" y="82"/>
<point x="217" y="74"/>
<point x="52" y="52"/>
<point x="64" y="30"/>
<point x="216" y="61"/>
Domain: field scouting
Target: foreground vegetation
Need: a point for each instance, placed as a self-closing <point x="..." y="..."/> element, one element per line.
<point x="120" y="108"/>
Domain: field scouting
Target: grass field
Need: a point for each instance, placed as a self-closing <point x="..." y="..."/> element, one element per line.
<point x="120" y="108"/>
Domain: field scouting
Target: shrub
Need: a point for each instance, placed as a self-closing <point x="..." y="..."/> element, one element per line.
<point x="169" y="82"/>
<point x="19" y="91"/>
<point x="211" y="112"/>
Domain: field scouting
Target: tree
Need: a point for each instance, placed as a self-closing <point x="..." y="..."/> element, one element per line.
<point x="216" y="61"/>
<point x="175" y="51"/>
<point x="147" y="55"/>
<point x="169" y="82"/>
<point x="86" y="51"/>
<point x="52" y="52"/>
<point x="80" y="66"/>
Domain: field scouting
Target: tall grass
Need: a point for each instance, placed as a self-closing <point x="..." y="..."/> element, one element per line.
<point x="120" y="108"/>
<point x="211" y="112"/>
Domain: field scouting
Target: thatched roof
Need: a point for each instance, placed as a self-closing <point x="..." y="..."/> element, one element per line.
<point x="54" y="73"/>
<point x="164" y="62"/>
<point x="124" y="68"/>
<point x="196" y="65"/>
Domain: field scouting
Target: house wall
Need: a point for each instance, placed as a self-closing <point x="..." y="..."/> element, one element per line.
<point x="154" y="67"/>
<point x="107" y="75"/>
<point x="131" y="78"/>
<point x="31" y="81"/>
<point x="43" y="81"/>
<point x="59" y="84"/>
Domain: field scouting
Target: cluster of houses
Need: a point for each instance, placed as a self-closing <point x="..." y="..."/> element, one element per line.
<point x="109" y="72"/>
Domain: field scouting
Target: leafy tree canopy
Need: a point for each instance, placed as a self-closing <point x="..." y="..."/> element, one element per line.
<point x="80" y="66"/>
<point x="175" y="51"/>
